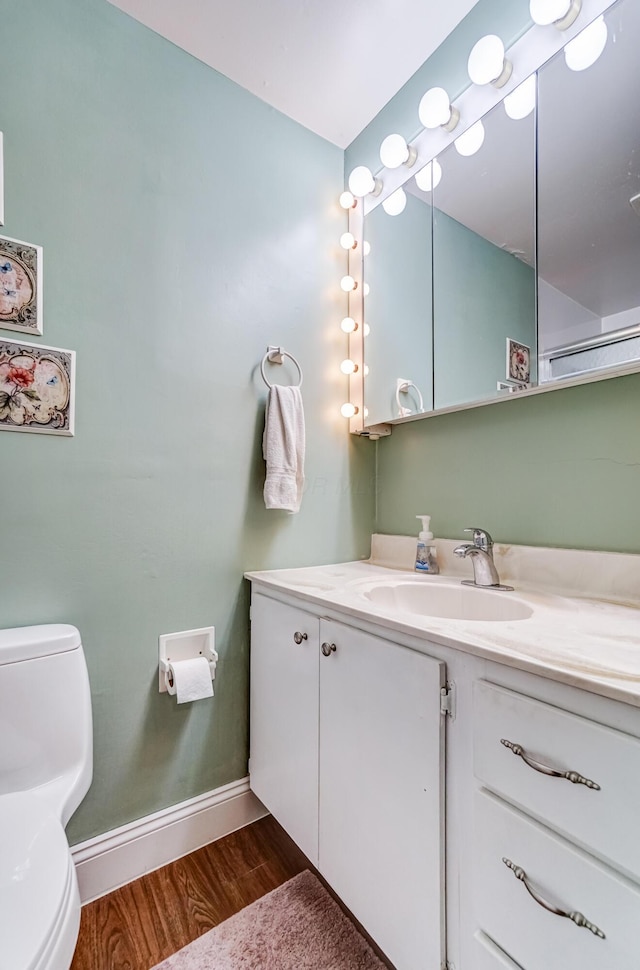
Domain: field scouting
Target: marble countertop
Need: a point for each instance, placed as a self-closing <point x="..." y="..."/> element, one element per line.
<point x="585" y="642"/>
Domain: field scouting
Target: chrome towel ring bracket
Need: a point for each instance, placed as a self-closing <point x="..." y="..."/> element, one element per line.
<point x="276" y="355"/>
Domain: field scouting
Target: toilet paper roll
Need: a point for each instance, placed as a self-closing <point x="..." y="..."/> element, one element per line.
<point x="191" y="679"/>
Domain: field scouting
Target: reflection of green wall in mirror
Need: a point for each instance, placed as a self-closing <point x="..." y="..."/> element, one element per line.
<point x="482" y="295"/>
<point x="398" y="308"/>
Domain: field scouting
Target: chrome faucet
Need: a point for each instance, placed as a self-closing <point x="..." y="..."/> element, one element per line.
<point x="480" y="550"/>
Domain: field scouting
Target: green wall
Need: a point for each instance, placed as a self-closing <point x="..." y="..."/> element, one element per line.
<point x="185" y="226"/>
<point x="557" y="469"/>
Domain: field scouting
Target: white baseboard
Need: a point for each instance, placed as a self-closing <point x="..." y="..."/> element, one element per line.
<point x="126" y="853"/>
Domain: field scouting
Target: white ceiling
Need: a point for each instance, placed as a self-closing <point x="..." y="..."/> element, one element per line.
<point x="329" y="64"/>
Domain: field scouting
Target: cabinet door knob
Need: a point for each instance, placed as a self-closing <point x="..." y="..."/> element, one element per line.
<point x="572" y="776"/>
<point x="575" y="917"/>
<point x="299" y="637"/>
<point x="328" y="649"/>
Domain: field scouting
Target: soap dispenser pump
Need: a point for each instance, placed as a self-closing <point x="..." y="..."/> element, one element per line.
<point x="426" y="552"/>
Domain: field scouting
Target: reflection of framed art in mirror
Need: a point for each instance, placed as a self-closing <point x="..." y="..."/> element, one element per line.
<point x="518" y="362"/>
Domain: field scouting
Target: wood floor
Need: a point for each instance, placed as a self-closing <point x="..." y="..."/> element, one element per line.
<point x="146" y="921"/>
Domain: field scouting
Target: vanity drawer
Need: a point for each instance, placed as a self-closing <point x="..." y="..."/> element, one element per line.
<point x="602" y="820"/>
<point x="564" y="877"/>
<point x="488" y="956"/>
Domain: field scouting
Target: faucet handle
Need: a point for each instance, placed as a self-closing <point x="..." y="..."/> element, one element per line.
<point x="481" y="538"/>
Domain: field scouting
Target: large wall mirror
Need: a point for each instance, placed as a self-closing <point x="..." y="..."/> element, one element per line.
<point x="515" y="261"/>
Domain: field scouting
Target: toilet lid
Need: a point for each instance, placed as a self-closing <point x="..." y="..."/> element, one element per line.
<point x="34" y="876"/>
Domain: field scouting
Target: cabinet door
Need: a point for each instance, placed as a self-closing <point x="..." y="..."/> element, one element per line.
<point x="382" y="791"/>
<point x="284" y="717"/>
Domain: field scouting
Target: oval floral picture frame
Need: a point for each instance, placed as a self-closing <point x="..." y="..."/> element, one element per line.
<point x="36" y="388"/>
<point x="20" y="286"/>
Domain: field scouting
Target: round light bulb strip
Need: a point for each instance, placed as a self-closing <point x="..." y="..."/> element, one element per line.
<point x="353" y="287"/>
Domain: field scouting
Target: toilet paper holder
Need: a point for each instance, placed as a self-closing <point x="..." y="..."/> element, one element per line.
<point x="187" y="645"/>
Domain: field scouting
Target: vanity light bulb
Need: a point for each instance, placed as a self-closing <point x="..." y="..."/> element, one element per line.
<point x="521" y="102"/>
<point x="366" y="289"/>
<point x="347" y="200"/>
<point x="435" y="110"/>
<point x="395" y="152"/>
<point x="585" y="49"/>
<point x="394" y="204"/>
<point x="471" y="141"/>
<point x="348" y="284"/>
<point x="560" y="13"/>
<point x="366" y="248"/>
<point x="362" y="182"/>
<point x="366" y="330"/>
<point x="348" y="325"/>
<point x="348" y="367"/>
<point x="365" y="371"/>
<point x="428" y="178"/>
<point x="487" y="63"/>
<point x="348" y="240"/>
<point x="348" y="410"/>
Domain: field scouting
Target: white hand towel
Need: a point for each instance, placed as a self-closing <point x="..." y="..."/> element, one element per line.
<point x="283" y="448"/>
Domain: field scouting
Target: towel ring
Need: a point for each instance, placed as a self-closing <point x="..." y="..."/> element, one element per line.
<point x="402" y="387"/>
<point x="274" y="355"/>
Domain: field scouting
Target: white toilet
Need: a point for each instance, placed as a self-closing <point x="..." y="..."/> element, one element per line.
<point x="46" y="764"/>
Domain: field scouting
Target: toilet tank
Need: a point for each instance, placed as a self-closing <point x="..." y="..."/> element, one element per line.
<point x="46" y="735"/>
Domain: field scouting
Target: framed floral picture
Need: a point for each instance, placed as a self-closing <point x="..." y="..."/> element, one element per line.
<point x="1" y="181"/>
<point x="518" y="362"/>
<point x="20" y="286"/>
<point x="36" y="388"/>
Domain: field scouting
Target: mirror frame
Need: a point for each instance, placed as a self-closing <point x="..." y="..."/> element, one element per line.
<point x="528" y="54"/>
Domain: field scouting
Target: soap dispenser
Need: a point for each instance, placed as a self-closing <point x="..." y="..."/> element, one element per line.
<point x="426" y="552"/>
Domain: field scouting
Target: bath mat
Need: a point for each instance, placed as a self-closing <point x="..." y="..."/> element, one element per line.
<point x="297" y="926"/>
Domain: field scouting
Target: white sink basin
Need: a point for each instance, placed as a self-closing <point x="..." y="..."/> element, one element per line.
<point x="451" y="602"/>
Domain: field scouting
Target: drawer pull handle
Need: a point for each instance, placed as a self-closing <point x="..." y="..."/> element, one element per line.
<point x="328" y="649"/>
<point x="571" y="776"/>
<point x="299" y="637"/>
<point x="575" y="917"/>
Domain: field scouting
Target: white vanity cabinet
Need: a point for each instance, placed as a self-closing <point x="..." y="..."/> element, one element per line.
<point x="347" y="752"/>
